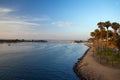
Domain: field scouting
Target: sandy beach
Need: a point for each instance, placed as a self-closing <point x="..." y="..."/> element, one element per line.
<point x="89" y="69"/>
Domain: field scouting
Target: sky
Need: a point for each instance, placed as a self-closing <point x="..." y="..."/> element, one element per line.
<point x="55" y="19"/>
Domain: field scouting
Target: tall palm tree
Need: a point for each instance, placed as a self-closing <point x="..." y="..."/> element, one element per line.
<point x="110" y="34"/>
<point x="104" y="33"/>
<point x="115" y="26"/>
<point x="107" y="25"/>
<point x="97" y="37"/>
<point x="93" y="36"/>
<point x="97" y="34"/>
<point x="101" y="26"/>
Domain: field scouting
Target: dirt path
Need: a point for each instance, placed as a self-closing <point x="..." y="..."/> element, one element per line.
<point x="92" y="70"/>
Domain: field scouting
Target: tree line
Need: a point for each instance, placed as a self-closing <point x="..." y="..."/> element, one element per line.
<point x="106" y="43"/>
<point x="107" y="34"/>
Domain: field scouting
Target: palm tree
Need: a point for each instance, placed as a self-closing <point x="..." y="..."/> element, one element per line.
<point x="101" y="26"/>
<point x="115" y="26"/>
<point x="97" y="37"/>
<point x="97" y="34"/>
<point x="93" y="35"/>
<point x="107" y="25"/>
<point x="110" y="34"/>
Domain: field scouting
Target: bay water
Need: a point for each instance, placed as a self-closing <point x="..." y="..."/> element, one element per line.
<point x="39" y="61"/>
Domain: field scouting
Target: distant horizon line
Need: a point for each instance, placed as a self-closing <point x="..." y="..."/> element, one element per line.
<point x="46" y="39"/>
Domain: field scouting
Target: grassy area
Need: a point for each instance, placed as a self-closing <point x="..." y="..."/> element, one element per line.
<point x="108" y="56"/>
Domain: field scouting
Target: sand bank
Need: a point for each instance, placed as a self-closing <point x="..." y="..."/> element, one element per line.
<point x="88" y="68"/>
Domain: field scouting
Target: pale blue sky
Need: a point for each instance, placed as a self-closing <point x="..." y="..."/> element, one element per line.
<point x="55" y="19"/>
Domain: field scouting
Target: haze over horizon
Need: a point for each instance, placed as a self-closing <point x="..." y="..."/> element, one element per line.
<point x="54" y="19"/>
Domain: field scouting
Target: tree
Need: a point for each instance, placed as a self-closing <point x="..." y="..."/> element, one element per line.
<point x="115" y="26"/>
<point x="97" y="37"/>
<point x="104" y="34"/>
<point x="97" y="34"/>
<point x="107" y="25"/>
<point x="92" y="34"/>
<point x="110" y="34"/>
<point x="101" y="26"/>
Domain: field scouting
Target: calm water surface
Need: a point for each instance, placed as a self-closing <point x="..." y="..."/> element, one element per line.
<point x="39" y="61"/>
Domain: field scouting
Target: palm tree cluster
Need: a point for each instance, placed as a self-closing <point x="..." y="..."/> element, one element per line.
<point x="106" y="42"/>
<point x="105" y="37"/>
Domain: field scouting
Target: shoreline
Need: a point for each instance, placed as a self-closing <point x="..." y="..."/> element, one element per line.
<point x="87" y="68"/>
<point x="75" y="67"/>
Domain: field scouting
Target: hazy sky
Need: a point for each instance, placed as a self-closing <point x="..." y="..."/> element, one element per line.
<point x="54" y="19"/>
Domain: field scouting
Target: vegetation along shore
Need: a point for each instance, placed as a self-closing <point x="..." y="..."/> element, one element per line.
<point x="102" y="60"/>
<point x="19" y="40"/>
